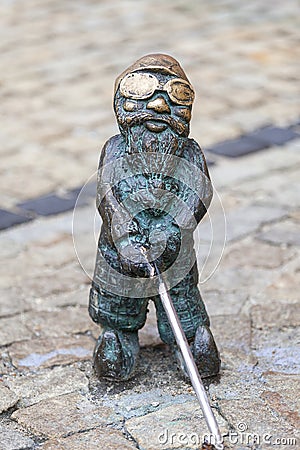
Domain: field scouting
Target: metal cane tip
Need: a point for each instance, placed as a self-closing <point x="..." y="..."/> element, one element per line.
<point x="206" y="446"/>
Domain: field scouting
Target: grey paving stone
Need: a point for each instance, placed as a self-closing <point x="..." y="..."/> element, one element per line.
<point x="51" y="282"/>
<point x="233" y="338"/>
<point x="8" y="398"/>
<point x="12" y="437"/>
<point x="138" y="404"/>
<point x="240" y="221"/>
<point x="13" y="329"/>
<point x="35" y="387"/>
<point x="287" y="386"/>
<point x="49" y="204"/>
<point x="219" y="303"/>
<point x="173" y="427"/>
<point x="238" y="147"/>
<point x="283" y="287"/>
<point x="279" y="188"/>
<point x="256" y="254"/>
<point x="9" y="219"/>
<point x="107" y="439"/>
<point x="12" y="302"/>
<point x="87" y="190"/>
<point x="277" y="350"/>
<point x="62" y="415"/>
<point x="278" y="403"/>
<point x="251" y="420"/>
<point x="236" y="384"/>
<point x="240" y="280"/>
<point x="285" y="232"/>
<point x="277" y="315"/>
<point x="40" y="353"/>
<point x="56" y="323"/>
<point x="273" y="135"/>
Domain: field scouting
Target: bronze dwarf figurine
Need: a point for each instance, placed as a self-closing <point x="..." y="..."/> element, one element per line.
<point x="153" y="190"/>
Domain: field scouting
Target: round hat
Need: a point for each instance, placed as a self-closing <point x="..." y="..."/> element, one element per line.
<point x="156" y="62"/>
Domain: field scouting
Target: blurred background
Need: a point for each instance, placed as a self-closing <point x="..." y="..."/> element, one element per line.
<point x="59" y="60"/>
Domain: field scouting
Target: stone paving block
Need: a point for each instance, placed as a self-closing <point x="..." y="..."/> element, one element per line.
<point x="107" y="439"/>
<point x="253" y="423"/>
<point x="274" y="135"/>
<point x="238" y="147"/>
<point x="284" y="384"/>
<point x="55" y="323"/>
<point x="277" y="349"/>
<point x="235" y="384"/>
<point x="285" y="232"/>
<point x="173" y="427"/>
<point x="233" y="338"/>
<point x="42" y="231"/>
<point x="50" y="204"/>
<point x="9" y="248"/>
<point x="284" y="286"/>
<point x="255" y="253"/>
<point x="80" y="297"/>
<point x="240" y="280"/>
<point x="236" y="172"/>
<point x="53" y="281"/>
<point x="9" y="219"/>
<point x="280" y="188"/>
<point x="55" y="254"/>
<point x="4" y="365"/>
<point x="241" y="221"/>
<point x="13" y="329"/>
<point x="13" y="437"/>
<point x="276" y="315"/>
<point x="278" y="403"/>
<point x="33" y="388"/>
<point x="12" y="302"/>
<point x="295" y="215"/>
<point x="8" y="398"/>
<point x="60" y="416"/>
<point x="139" y="403"/>
<point x="223" y="303"/>
<point x="40" y="353"/>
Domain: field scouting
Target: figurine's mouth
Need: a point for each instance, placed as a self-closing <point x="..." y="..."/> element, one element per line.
<point x="156" y="125"/>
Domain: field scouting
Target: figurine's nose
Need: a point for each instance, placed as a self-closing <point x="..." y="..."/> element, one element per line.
<point x="159" y="105"/>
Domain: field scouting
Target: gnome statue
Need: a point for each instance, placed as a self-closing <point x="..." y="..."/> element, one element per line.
<point x="153" y="190"/>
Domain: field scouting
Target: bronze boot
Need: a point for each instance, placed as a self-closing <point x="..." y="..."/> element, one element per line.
<point x="115" y="354"/>
<point x="205" y="352"/>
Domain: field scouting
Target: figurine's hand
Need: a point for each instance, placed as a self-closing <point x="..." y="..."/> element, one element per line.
<point x="165" y="245"/>
<point x="124" y="226"/>
<point x="132" y="257"/>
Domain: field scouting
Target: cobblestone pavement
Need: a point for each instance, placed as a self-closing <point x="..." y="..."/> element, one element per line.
<point x="60" y="61"/>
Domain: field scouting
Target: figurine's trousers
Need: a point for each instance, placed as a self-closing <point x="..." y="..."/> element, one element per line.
<point x="129" y="314"/>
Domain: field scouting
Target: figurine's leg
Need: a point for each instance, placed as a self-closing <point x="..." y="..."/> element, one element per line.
<point x="117" y="348"/>
<point x="195" y="322"/>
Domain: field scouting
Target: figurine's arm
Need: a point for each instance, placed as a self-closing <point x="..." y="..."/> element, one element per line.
<point x="197" y="196"/>
<point x="116" y="217"/>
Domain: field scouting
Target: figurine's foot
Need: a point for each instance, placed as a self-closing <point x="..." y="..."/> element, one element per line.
<point x="115" y="354"/>
<point x="205" y="353"/>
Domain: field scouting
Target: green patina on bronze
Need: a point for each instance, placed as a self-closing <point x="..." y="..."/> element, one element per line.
<point x="153" y="190"/>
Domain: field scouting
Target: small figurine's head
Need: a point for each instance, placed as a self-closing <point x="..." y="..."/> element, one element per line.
<point x="154" y="94"/>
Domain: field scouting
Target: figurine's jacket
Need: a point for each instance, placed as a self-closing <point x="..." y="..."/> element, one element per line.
<point x="139" y="190"/>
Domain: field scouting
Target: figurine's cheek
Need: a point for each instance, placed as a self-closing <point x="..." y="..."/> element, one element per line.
<point x="130" y="105"/>
<point x="183" y="113"/>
